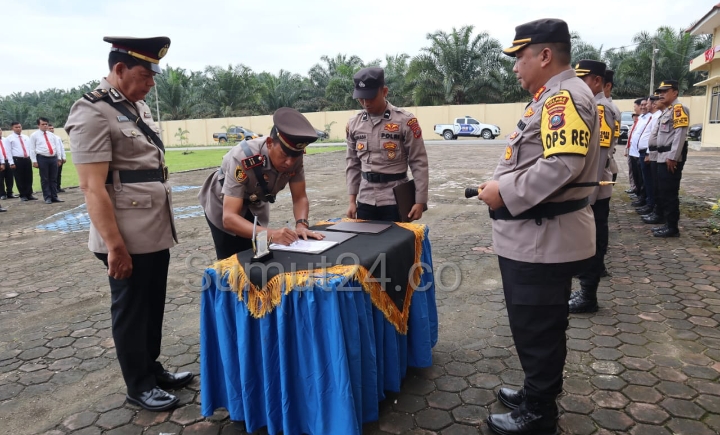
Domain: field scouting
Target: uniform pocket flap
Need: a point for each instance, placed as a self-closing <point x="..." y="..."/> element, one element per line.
<point x="130" y="132"/>
<point x="133" y="201"/>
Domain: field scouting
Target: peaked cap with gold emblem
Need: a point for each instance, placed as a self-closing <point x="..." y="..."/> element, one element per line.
<point x="294" y="131"/>
<point x="148" y="51"/>
<point x="537" y="32"/>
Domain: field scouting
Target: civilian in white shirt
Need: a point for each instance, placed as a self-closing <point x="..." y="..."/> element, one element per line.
<point x="652" y="115"/>
<point x="61" y="157"/>
<point x="6" y="174"/>
<point x="635" y="153"/>
<point x="44" y="157"/>
<point x="18" y="144"/>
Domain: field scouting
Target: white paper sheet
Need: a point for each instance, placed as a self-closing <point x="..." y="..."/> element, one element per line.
<point x="310" y="246"/>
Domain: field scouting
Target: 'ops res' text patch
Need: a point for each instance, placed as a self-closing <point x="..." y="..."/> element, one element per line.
<point x="562" y="129"/>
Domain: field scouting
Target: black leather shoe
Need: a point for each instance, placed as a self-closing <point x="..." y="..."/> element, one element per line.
<point x="644" y="210"/>
<point x="31" y="198"/>
<point x="154" y="400"/>
<point x="3" y="197"/>
<point x="2" y="210"/>
<point x="511" y="398"/>
<point x="57" y="200"/>
<point x="11" y="196"/>
<point x="48" y="201"/>
<point x="629" y="191"/>
<point x="653" y="219"/>
<point x="638" y="203"/>
<point x="656" y="229"/>
<point x="526" y="420"/>
<point x="667" y="232"/>
<point x="584" y="302"/>
<point x="22" y="198"/>
<point x="171" y="381"/>
<point x="61" y="190"/>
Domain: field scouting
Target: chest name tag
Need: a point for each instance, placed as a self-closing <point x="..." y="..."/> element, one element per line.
<point x="253" y="161"/>
<point x="123" y="118"/>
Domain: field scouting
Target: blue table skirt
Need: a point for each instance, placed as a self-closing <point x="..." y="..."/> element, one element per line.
<point x="318" y="364"/>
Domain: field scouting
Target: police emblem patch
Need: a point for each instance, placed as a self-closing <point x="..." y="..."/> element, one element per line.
<point x="360" y="146"/>
<point x="391" y="154"/>
<point x="415" y="127"/>
<point x="392" y="127"/>
<point x="513" y="135"/>
<point x="390" y="145"/>
<point x="508" y="153"/>
<point x="240" y="175"/>
<point x="557" y="121"/>
<point x="680" y="118"/>
<point x="528" y="113"/>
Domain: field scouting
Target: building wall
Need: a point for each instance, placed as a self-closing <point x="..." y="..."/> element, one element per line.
<point x="711" y="132"/>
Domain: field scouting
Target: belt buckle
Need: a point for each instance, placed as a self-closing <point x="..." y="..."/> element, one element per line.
<point x="166" y="173"/>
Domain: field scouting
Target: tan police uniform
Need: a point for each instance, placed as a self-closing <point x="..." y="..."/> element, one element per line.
<point x="672" y="133"/>
<point x="607" y="144"/>
<point x="143" y="210"/>
<point x="236" y="177"/>
<point x="387" y="144"/>
<point x="546" y="152"/>
<point x="616" y="114"/>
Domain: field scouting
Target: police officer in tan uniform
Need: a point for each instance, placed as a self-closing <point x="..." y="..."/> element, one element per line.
<point x="592" y="72"/>
<point x="543" y="227"/>
<point x="121" y="165"/>
<point x="250" y="176"/>
<point x="382" y="141"/>
<point x="608" y="86"/>
<point x="672" y="148"/>
<point x="656" y="216"/>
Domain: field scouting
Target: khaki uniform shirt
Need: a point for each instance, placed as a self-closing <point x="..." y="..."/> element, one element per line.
<point x="242" y="183"/>
<point x="613" y="150"/>
<point x="652" y="141"/>
<point x="143" y="211"/>
<point x="555" y="143"/>
<point x="607" y="146"/>
<point x="387" y="145"/>
<point x="672" y="133"/>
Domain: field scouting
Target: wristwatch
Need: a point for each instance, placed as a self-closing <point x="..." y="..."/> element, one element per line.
<point x="302" y="221"/>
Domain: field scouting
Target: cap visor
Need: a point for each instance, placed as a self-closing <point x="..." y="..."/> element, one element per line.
<point x="581" y="73"/>
<point x="512" y="51"/>
<point x="365" y="93"/>
<point x="155" y="68"/>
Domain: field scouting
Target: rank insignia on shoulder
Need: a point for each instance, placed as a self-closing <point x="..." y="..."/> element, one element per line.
<point x="253" y="161"/>
<point x="146" y="115"/>
<point x="513" y="135"/>
<point x="392" y="127"/>
<point x="115" y="94"/>
<point x="240" y="175"/>
<point x="360" y="146"/>
<point x="539" y="93"/>
<point x="528" y="113"/>
<point x="508" y="152"/>
<point x="95" y="95"/>
<point x="386" y="115"/>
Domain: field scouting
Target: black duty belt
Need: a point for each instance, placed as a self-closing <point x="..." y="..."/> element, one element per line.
<point x="546" y="210"/>
<point x="664" y="148"/>
<point x="652" y="148"/>
<point x="140" y="176"/>
<point x="374" y="177"/>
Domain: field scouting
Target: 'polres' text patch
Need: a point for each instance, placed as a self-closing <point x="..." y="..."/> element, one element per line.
<point x="562" y="129"/>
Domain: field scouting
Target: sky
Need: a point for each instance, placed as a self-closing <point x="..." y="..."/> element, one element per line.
<point x="59" y="44"/>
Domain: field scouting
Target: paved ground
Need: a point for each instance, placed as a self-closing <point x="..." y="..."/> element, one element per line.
<point x="647" y="363"/>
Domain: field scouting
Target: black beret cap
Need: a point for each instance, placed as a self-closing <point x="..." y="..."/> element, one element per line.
<point x="367" y="82"/>
<point x="667" y="84"/>
<point x="148" y="51"/>
<point x="609" y="76"/>
<point x="537" y="32"/>
<point x="589" y="66"/>
<point x="294" y="131"/>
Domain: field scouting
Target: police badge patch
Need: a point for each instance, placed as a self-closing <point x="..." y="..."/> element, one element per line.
<point x="360" y="146"/>
<point x="240" y="175"/>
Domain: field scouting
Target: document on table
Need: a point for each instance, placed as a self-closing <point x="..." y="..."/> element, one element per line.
<point x="310" y="246"/>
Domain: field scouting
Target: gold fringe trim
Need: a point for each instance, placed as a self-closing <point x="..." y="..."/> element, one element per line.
<point x="261" y="301"/>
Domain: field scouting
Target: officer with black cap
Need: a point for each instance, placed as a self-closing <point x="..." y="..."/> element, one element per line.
<point x="120" y="161"/>
<point x="592" y="72"/>
<point x="543" y="227"/>
<point x="672" y="148"/>
<point x="382" y="141"/>
<point x="250" y="176"/>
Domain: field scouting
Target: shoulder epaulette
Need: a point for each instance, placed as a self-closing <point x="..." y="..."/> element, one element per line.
<point x="253" y="161"/>
<point x="95" y="95"/>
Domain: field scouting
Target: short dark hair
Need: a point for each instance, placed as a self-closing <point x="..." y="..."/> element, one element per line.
<point x="14" y="123"/>
<point x="117" y="57"/>
<point x="634" y="115"/>
<point x="560" y="50"/>
<point x="42" y="119"/>
<point x="639" y="101"/>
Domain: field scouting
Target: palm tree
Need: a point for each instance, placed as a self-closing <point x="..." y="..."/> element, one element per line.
<point x="283" y="90"/>
<point x="180" y="94"/>
<point x="231" y="92"/>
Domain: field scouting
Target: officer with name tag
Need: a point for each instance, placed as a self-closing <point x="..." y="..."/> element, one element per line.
<point x="382" y="141"/>
<point x="120" y="161"/>
<point x="250" y="176"/>
<point x="543" y="226"/>
<point x="672" y="148"/>
<point x="592" y="72"/>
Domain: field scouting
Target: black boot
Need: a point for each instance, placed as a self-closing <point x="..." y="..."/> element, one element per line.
<point x="532" y="417"/>
<point x="511" y="398"/>
<point x="585" y="301"/>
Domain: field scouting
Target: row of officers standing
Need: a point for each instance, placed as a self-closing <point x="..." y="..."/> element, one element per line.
<point x="548" y="208"/>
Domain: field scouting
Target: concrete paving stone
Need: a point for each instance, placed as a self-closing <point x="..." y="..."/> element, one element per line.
<point x="466" y="356"/>
<point x="89" y="352"/>
<point x="33" y="353"/>
<point x="64" y="364"/>
<point x="60" y="342"/>
<point x="610" y="399"/>
<point x="468" y="414"/>
<point x="110" y="402"/>
<point x="576" y="424"/>
<point x="79" y="333"/>
<point x="477" y="396"/>
<point x="645" y="429"/>
<point x="700" y="372"/>
<point x="680" y="426"/>
<point x="576" y="404"/>
<point x="169" y="428"/>
<point x="606" y="353"/>
<point x="410" y="403"/>
<point x="92" y="430"/>
<point x="451" y="383"/>
<point x="39" y="390"/>
<point x="605" y="341"/>
<point x="54" y="432"/>
<point x="705" y="387"/>
<point x="612" y="420"/>
<point x="32" y="367"/>
<point x="577" y="386"/>
<point x="682" y="408"/>
<point x="647" y="413"/>
<point x="460" y="429"/>
<point x="203" y="428"/>
<point x="36" y="377"/>
<point x="669" y="374"/>
<point x="461" y="369"/>
<point x="513" y="362"/>
<point x="8" y="354"/>
<point x="642" y="394"/>
<point x="579" y="345"/>
<point x="634" y="339"/>
<point x="709" y="403"/>
<point x="128" y="429"/>
<point x="632" y="363"/>
<point x="441" y="358"/>
<point x="186" y="415"/>
<point x="68" y="377"/>
<point x="608" y="382"/>
<point x="632" y="328"/>
<point x="115" y="418"/>
<point x="512" y="377"/>
<point x="676" y="390"/>
<point x="713" y="421"/>
<point x="418" y="386"/>
<point x="433" y="372"/>
<point x="147" y="418"/>
<point x="61" y="353"/>
<point x="396" y="423"/>
<point x="636" y="377"/>
<point x="10" y="390"/>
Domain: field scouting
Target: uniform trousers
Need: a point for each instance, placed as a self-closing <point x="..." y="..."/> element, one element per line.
<point x="6" y="181"/>
<point x="48" y="167"/>
<point x="378" y="212"/>
<point x="631" y="179"/>
<point x="536" y="298"/>
<point x="137" y="309"/>
<point x="656" y="191"/>
<point x="637" y="176"/>
<point x="24" y="176"/>
<point x="590" y="277"/>
<point x="59" y="176"/>
<point x="647" y="180"/>
<point x="669" y="188"/>
<point x="226" y="244"/>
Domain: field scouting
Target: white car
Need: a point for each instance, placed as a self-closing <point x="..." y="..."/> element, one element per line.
<point x="467" y="126"/>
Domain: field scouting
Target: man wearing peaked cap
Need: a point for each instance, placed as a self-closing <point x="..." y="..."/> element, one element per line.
<point x="672" y="148"/>
<point x="120" y="161"/>
<point x="592" y="72"/>
<point x="543" y="227"/>
<point x="250" y="176"/>
<point x="607" y="90"/>
<point x="382" y="142"/>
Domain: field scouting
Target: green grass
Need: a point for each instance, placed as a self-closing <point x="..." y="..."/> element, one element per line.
<point x="176" y="161"/>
